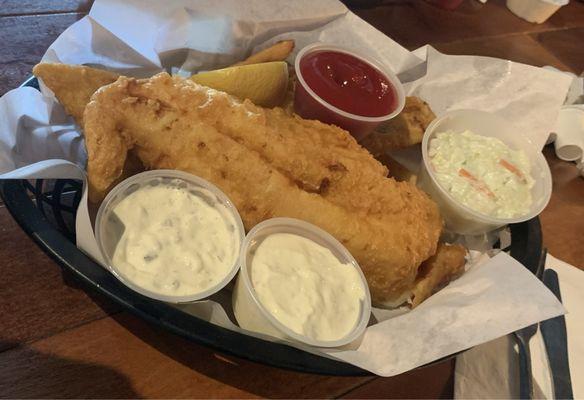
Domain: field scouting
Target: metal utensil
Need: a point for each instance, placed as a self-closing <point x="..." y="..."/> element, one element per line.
<point x="522" y="337"/>
<point x="556" y="343"/>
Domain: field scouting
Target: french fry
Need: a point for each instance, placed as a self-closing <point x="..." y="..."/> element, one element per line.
<point x="277" y="52"/>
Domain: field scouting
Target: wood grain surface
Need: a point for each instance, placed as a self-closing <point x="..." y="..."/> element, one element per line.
<point x="563" y="219"/>
<point x="36" y="7"/>
<point x="25" y="39"/>
<point x="55" y="306"/>
<point x="57" y="341"/>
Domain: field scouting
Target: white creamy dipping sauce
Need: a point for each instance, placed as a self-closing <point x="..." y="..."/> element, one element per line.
<point x="176" y="241"/>
<point x="305" y="286"/>
<point x="483" y="173"/>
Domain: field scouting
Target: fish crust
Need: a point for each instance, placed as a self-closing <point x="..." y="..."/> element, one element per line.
<point x="73" y="85"/>
<point x="270" y="164"/>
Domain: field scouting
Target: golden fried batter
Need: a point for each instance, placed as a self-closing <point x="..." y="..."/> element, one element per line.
<point x="447" y="264"/>
<point x="271" y="165"/>
<point x="403" y="131"/>
<point x="396" y="170"/>
<point x="73" y="85"/>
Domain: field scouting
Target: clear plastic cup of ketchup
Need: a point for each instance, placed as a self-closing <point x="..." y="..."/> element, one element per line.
<point x="341" y="87"/>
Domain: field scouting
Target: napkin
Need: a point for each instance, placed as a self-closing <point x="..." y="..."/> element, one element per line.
<point x="491" y="370"/>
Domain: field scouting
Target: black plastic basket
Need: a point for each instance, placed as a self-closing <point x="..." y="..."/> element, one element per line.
<point x="46" y="212"/>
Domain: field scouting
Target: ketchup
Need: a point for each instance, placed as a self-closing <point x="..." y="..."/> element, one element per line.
<point x="348" y="83"/>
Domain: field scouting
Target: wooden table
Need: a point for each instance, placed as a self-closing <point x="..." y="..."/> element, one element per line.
<point x="58" y="341"/>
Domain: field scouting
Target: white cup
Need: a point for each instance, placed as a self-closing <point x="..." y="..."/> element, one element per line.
<point x="458" y="217"/>
<point x="569" y="130"/>
<point x="253" y="316"/>
<point x="109" y="229"/>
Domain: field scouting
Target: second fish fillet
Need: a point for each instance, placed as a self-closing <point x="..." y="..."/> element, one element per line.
<point x="271" y="165"/>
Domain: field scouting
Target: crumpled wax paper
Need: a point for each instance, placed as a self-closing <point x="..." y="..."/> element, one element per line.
<point x="140" y="38"/>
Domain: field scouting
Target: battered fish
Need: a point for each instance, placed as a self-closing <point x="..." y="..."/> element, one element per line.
<point x="406" y="129"/>
<point x="73" y="85"/>
<point x="271" y="165"/>
<point x="446" y="265"/>
<point x="396" y="170"/>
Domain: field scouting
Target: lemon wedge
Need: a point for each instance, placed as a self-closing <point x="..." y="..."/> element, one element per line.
<point x="264" y="84"/>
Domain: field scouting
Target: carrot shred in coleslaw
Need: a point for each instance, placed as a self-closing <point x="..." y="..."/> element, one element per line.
<point x="476" y="183"/>
<point x="513" y="169"/>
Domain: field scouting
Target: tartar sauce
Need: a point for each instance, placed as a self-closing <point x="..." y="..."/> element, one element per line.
<point x="176" y="241"/>
<point x="305" y="286"/>
<point x="483" y="173"/>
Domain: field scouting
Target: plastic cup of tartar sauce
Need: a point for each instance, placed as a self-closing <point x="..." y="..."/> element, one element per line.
<point x="253" y="315"/>
<point x="458" y="217"/>
<point x="170" y="235"/>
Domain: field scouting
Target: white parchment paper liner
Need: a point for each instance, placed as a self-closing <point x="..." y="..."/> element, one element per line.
<point x="140" y="38"/>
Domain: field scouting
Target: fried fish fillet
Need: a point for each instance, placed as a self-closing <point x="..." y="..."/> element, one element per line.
<point x="397" y="170"/>
<point x="270" y="164"/>
<point x="73" y="85"/>
<point x="403" y="131"/>
<point x="447" y="264"/>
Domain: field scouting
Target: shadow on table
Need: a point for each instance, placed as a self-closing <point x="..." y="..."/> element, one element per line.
<point x="250" y="377"/>
<point x="266" y="381"/>
<point x="241" y="376"/>
<point x="28" y="373"/>
<point x="247" y="376"/>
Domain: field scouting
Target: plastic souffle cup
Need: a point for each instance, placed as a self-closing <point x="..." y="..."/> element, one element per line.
<point x="310" y="105"/>
<point x="253" y="316"/>
<point x="458" y="217"/>
<point x="109" y="229"/>
<point x="569" y="130"/>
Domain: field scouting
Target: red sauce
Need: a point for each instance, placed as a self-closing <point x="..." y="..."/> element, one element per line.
<point x="348" y="83"/>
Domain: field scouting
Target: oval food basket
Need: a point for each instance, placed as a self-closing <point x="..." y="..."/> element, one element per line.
<point x="45" y="209"/>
